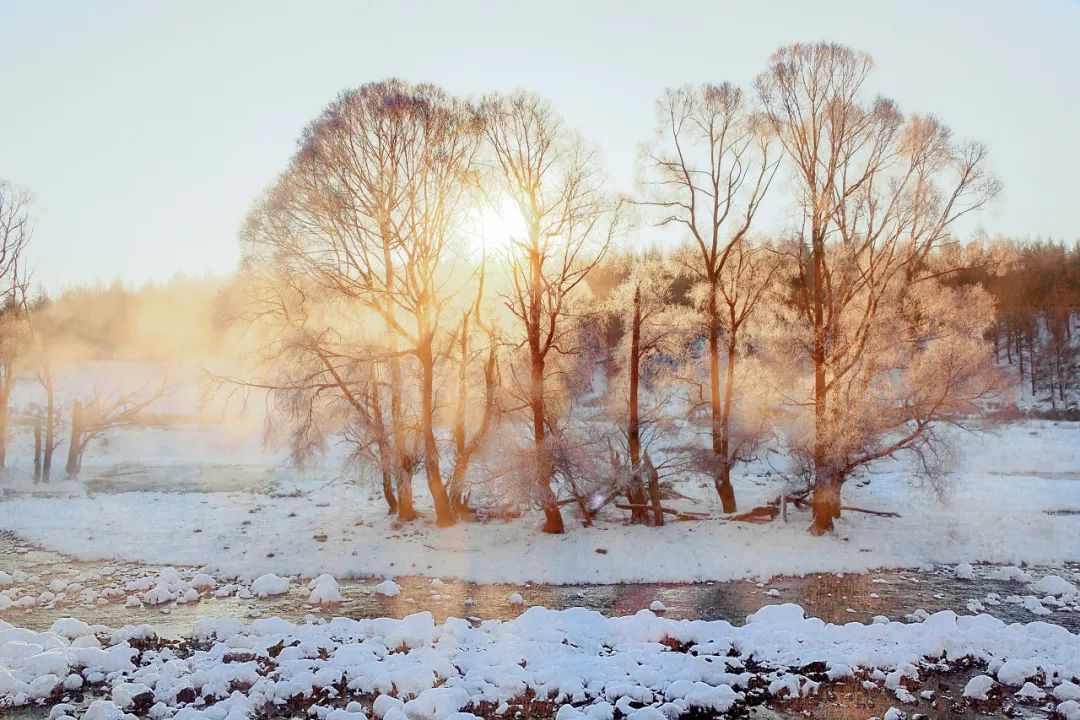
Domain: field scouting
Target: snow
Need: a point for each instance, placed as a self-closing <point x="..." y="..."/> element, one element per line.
<point x="978" y="687"/>
<point x="588" y="664"/>
<point x="999" y="492"/>
<point x="1055" y="585"/>
<point x="389" y="588"/>
<point x="324" y="590"/>
<point x="268" y="585"/>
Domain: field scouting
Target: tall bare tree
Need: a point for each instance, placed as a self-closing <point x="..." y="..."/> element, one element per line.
<point x="707" y="171"/>
<point x="878" y="194"/>
<point x="93" y="418"/>
<point x="554" y="180"/>
<point x="657" y="334"/>
<point x="745" y="283"/>
<point x="368" y="210"/>
<point x="15" y="232"/>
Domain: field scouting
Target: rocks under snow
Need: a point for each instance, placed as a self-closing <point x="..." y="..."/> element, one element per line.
<point x="269" y="585"/>
<point x="389" y="588"/>
<point x="979" y="687"/>
<point x="591" y="665"/>
<point x="324" y="590"/>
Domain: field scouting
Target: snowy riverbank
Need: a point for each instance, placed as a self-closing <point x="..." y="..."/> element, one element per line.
<point x="1012" y="496"/>
<point x="573" y="663"/>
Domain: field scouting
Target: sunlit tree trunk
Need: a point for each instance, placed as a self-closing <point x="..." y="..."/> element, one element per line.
<point x="636" y="491"/>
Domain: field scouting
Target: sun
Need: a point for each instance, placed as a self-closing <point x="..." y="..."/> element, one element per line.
<point x="496" y="226"/>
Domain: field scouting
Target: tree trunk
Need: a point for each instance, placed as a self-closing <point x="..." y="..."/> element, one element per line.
<point x="50" y="431"/>
<point x="4" y="396"/>
<point x="553" y="521"/>
<point x="826" y="484"/>
<point x="724" y="486"/>
<point x="402" y="464"/>
<point x="444" y="514"/>
<point x="1020" y="358"/>
<point x="721" y="478"/>
<point x="636" y="494"/>
<point x="458" y="501"/>
<point x="388" y="492"/>
<point x="1032" y="366"/>
<point x="37" y="450"/>
<point x="654" y="491"/>
<point x="74" y="459"/>
<point x="826" y="505"/>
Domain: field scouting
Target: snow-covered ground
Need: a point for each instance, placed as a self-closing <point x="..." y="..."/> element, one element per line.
<point x="574" y="663"/>
<point x="244" y="526"/>
<point x="1007" y="501"/>
<point x="206" y="493"/>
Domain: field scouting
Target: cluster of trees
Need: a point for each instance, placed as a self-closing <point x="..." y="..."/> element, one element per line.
<point x="435" y="280"/>
<point x="37" y="335"/>
<point x="1038" y="295"/>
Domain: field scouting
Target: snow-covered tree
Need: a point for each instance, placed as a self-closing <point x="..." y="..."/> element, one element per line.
<point x="743" y="298"/>
<point x="370" y="212"/>
<point x="553" y="180"/>
<point x="707" y="172"/>
<point x="654" y="347"/>
<point x="893" y="352"/>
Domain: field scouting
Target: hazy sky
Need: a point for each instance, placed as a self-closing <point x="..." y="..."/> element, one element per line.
<point x="145" y="129"/>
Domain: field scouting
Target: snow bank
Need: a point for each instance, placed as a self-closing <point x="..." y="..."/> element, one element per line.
<point x="324" y="590"/>
<point x="1008" y="482"/>
<point x="269" y="584"/>
<point x="143" y="526"/>
<point x="641" y="665"/>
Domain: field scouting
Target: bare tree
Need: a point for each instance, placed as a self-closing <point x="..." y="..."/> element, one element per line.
<point x="655" y="344"/>
<point x="554" y="181"/>
<point x="93" y="419"/>
<point x="15" y="232"/>
<point x="707" y="171"/>
<point x="368" y="210"/>
<point x="310" y="359"/>
<point x="42" y="336"/>
<point x="745" y="284"/>
<point x="878" y="195"/>
<point x="463" y="341"/>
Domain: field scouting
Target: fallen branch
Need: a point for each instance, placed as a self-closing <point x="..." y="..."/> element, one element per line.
<point x="763" y="514"/>
<point x="879" y="513"/>
<point x="680" y="514"/>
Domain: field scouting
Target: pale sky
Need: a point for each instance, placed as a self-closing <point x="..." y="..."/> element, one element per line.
<point x="145" y="129"/>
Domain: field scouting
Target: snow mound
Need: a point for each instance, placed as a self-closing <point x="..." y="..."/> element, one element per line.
<point x="592" y="666"/>
<point x="268" y="585"/>
<point x="389" y="588"/>
<point x="1055" y="585"/>
<point x="1010" y="573"/>
<point x="978" y="687"/>
<point x="324" y="590"/>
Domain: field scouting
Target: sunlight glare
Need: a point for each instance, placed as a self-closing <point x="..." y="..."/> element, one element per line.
<point x="499" y="226"/>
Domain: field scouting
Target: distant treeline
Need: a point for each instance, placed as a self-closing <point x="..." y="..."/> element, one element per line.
<point x="174" y="320"/>
<point x="1038" y="301"/>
